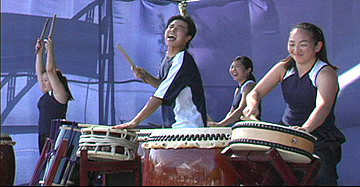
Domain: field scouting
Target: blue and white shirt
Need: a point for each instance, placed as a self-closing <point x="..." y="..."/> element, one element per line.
<point x="181" y="90"/>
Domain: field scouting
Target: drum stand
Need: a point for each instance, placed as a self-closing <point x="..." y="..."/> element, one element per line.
<point x="49" y="151"/>
<point x="87" y="165"/>
<point x="60" y="153"/>
<point x="262" y="168"/>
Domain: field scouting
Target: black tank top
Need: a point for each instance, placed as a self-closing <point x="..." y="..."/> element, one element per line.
<point x="49" y="109"/>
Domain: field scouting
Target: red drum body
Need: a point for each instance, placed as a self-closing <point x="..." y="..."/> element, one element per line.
<point x="295" y="146"/>
<point x="7" y="160"/>
<point x="107" y="144"/>
<point x="187" y="157"/>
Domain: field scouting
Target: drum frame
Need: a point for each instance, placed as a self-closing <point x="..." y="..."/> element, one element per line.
<point x="87" y="166"/>
<point x="270" y="166"/>
<point x="53" y="153"/>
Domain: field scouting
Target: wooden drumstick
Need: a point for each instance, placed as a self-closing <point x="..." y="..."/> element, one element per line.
<point x="52" y="26"/>
<point x="128" y="58"/>
<point x="126" y="55"/>
<point x="155" y="125"/>
<point x="90" y="125"/>
<point x="43" y="33"/>
<point x="83" y="125"/>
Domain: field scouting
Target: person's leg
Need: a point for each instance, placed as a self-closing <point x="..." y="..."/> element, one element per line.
<point x="41" y="141"/>
<point x="328" y="173"/>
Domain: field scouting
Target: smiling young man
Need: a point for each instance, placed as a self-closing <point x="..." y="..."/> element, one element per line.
<point x="179" y="87"/>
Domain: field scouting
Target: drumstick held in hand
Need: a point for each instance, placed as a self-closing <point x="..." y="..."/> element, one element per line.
<point x="155" y="125"/>
<point x="83" y="125"/>
<point x="52" y="26"/>
<point x="128" y="58"/>
<point x="126" y="55"/>
<point x="43" y="33"/>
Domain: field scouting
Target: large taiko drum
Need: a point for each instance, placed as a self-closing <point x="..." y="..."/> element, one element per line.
<point x="106" y="144"/>
<point x="295" y="146"/>
<point x="7" y="160"/>
<point x="187" y="157"/>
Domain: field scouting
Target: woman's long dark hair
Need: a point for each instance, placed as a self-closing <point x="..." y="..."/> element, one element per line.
<point x="317" y="35"/>
<point x="64" y="82"/>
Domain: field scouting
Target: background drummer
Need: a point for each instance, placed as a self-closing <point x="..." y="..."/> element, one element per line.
<point x="53" y="103"/>
<point x="309" y="86"/>
<point x="241" y="69"/>
<point x="179" y="87"/>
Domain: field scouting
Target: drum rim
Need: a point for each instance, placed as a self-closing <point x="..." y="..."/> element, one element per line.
<point x="101" y="155"/>
<point x="111" y="130"/>
<point x="161" y="134"/>
<point x="5" y="139"/>
<point x="70" y="127"/>
<point x="4" y="134"/>
<point x="190" y="137"/>
<point x="144" y="132"/>
<point x="271" y="144"/>
<point x="275" y="127"/>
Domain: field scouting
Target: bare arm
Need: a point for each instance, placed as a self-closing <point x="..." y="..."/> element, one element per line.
<point x="141" y="73"/>
<point x="151" y="106"/>
<point x="235" y="114"/>
<point x="327" y="83"/>
<point x="39" y="64"/>
<point x="58" y="88"/>
<point x="265" y="85"/>
<point x="232" y="107"/>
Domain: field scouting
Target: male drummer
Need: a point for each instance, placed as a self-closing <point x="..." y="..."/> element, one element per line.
<point x="179" y="88"/>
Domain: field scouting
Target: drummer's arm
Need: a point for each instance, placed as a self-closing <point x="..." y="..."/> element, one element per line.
<point x="265" y="85"/>
<point x="327" y="83"/>
<point x="141" y="73"/>
<point x="153" y="81"/>
<point x="232" y="109"/>
<point x="39" y="63"/>
<point x="151" y="106"/>
<point x="235" y="114"/>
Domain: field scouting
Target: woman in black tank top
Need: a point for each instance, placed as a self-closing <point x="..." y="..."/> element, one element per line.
<point x="53" y="104"/>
